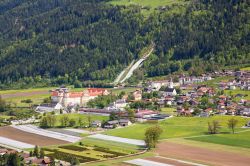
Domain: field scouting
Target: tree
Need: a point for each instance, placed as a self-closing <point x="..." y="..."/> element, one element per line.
<point x="3" y="105"/>
<point x="31" y="153"/>
<point x="213" y="128"/>
<point x="36" y="151"/>
<point x="232" y="124"/>
<point x="89" y="120"/>
<point x="64" y="121"/>
<point x="14" y="160"/>
<point x="72" y="122"/>
<point x="51" y="119"/>
<point x="80" y="122"/>
<point x="131" y="115"/>
<point x="112" y="116"/>
<point x="44" y="123"/>
<point x="42" y="154"/>
<point x="152" y="135"/>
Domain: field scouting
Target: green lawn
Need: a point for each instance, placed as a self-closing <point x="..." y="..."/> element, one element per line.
<point x="238" y="139"/>
<point x="169" y="111"/>
<point x="238" y="91"/>
<point x="245" y="69"/>
<point x="177" y="127"/>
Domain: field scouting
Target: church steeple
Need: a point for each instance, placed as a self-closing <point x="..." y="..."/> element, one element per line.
<point x="171" y="84"/>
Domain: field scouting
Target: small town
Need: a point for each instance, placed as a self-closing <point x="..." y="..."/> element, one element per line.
<point x="124" y="83"/>
<point x="218" y="94"/>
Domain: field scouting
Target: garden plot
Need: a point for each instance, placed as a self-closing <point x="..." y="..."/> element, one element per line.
<point x="118" y="139"/>
<point x="14" y="143"/>
<point x="83" y="153"/>
<point x="47" y="133"/>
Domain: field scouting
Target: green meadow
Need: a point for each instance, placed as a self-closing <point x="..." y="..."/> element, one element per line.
<point x="149" y="6"/>
<point x="238" y="139"/>
<point x="151" y="3"/>
<point x="177" y="127"/>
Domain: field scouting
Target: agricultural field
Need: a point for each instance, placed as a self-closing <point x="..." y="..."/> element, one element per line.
<point x="29" y="138"/>
<point x="203" y="153"/>
<point x="177" y="127"/>
<point x="89" y="150"/>
<point x="15" y="97"/>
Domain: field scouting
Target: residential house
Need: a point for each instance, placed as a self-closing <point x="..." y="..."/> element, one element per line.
<point x="119" y="104"/>
<point x="49" y="107"/>
<point x="96" y="123"/>
<point x="137" y="95"/>
<point x="144" y="114"/>
<point x="124" y="122"/>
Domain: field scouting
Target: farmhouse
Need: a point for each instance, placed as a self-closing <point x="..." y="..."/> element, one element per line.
<point x="64" y="97"/>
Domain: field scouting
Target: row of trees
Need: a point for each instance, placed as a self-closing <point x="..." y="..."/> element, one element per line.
<point x="214" y="126"/>
<point x="51" y="121"/>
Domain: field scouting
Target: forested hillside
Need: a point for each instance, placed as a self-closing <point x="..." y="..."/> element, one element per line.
<point x="47" y="42"/>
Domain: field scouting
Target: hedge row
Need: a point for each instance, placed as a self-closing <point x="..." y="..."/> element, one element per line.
<point x="74" y="148"/>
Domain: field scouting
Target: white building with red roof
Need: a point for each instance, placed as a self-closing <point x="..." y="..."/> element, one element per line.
<point x="63" y="96"/>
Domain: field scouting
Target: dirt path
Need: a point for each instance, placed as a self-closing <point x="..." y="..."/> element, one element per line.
<point x="202" y="155"/>
<point x="24" y="94"/>
<point x="34" y="139"/>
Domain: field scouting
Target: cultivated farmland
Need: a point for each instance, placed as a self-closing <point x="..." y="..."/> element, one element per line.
<point x="29" y="138"/>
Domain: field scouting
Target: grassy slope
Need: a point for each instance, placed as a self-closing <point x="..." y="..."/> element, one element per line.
<point x="151" y="3"/>
<point x="239" y="139"/>
<point x="177" y="127"/>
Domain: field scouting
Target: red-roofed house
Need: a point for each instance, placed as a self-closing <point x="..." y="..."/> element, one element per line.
<point x="145" y="113"/>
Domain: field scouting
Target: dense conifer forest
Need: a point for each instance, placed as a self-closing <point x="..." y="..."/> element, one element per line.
<point x="52" y="42"/>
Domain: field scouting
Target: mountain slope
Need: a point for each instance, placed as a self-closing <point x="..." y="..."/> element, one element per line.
<point x="66" y="41"/>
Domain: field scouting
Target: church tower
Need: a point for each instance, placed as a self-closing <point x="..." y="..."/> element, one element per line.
<point x="171" y="84"/>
